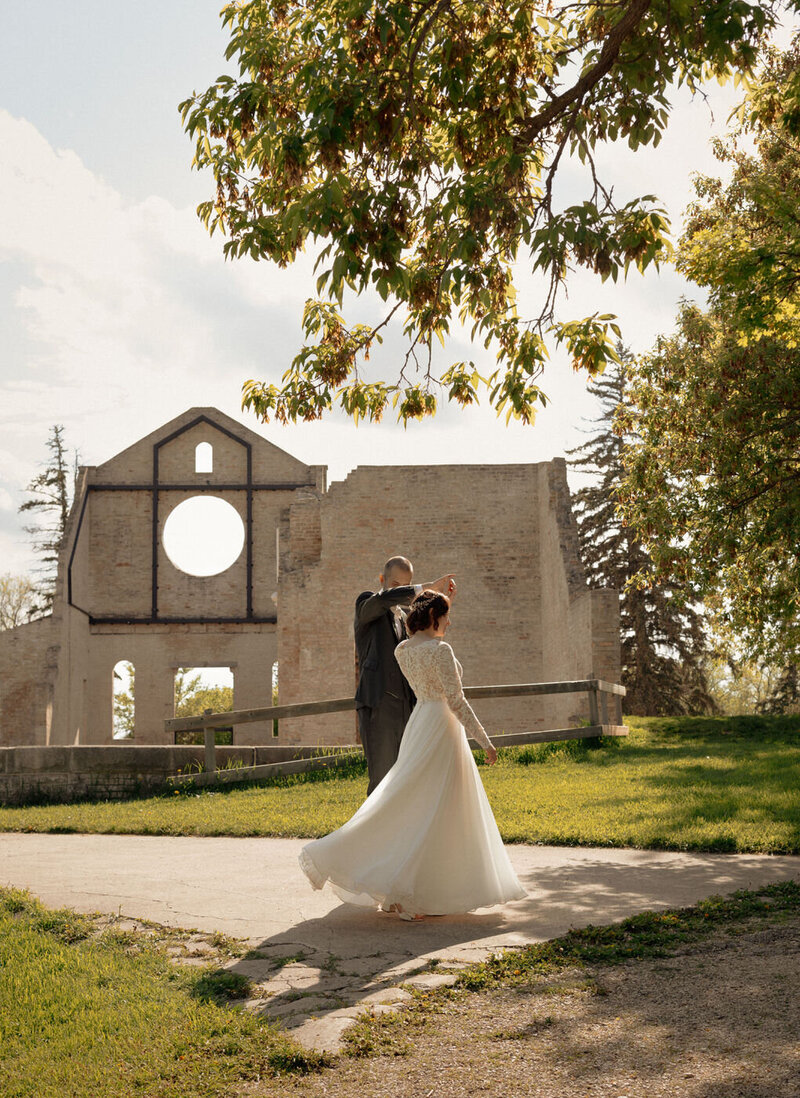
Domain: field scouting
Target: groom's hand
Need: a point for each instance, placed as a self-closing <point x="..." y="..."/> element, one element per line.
<point x="446" y="585"/>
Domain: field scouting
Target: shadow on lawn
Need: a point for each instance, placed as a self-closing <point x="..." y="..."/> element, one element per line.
<point x="756" y="783"/>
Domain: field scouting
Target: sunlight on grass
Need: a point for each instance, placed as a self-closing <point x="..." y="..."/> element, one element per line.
<point x="720" y="784"/>
<point x="85" y="1015"/>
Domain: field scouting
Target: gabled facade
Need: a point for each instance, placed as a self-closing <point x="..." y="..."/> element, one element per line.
<point x="120" y="596"/>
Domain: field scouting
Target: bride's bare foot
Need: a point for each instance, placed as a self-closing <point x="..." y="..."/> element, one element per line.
<point x="396" y="909"/>
<point x="405" y="914"/>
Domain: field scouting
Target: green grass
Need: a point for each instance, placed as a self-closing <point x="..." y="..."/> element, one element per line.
<point x="108" y="1015"/>
<point x="715" y="784"/>
<point x="88" y="1014"/>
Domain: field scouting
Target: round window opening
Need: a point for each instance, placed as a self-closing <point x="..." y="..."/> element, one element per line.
<point x="203" y="536"/>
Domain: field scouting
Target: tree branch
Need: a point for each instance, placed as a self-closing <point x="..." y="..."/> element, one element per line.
<point x="605" y="62"/>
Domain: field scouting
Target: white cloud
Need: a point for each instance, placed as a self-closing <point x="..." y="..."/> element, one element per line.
<point x="115" y="292"/>
<point x="123" y="313"/>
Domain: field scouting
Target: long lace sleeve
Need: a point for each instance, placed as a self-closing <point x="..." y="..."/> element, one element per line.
<point x="451" y="684"/>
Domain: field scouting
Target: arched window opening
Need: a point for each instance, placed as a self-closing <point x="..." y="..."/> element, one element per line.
<point x="124" y="704"/>
<point x="275" y="729"/>
<point x="204" y="458"/>
<point x="201" y="688"/>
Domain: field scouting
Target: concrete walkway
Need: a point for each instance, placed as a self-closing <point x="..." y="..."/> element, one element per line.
<point x="352" y="957"/>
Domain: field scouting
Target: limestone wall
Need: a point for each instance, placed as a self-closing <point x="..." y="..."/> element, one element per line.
<point x="113" y="559"/>
<point x="28" y="657"/>
<point x="51" y="774"/>
<point x="56" y="684"/>
<point x="157" y="652"/>
<point x="270" y="464"/>
<point x="522" y="614"/>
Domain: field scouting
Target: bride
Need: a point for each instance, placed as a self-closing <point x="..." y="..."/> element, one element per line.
<point x="425" y="841"/>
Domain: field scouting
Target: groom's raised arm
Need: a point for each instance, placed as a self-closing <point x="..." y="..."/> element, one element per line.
<point x="369" y="607"/>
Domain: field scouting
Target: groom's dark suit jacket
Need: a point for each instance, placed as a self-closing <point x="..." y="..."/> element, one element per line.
<point x="378" y="671"/>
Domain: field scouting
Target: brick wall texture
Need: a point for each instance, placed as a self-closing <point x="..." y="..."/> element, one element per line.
<point x="523" y="612"/>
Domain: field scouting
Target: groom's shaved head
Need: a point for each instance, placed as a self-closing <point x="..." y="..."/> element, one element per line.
<point x="397" y="571"/>
<point x="401" y="563"/>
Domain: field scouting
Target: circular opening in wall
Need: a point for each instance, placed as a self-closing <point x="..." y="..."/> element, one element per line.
<point x="203" y="535"/>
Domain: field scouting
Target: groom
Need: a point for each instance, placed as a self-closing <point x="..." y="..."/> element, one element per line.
<point x="384" y="699"/>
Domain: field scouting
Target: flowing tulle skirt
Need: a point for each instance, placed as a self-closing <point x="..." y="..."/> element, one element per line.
<point x="425" y="838"/>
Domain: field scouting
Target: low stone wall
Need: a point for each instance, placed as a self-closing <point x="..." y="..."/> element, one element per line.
<point x="107" y="772"/>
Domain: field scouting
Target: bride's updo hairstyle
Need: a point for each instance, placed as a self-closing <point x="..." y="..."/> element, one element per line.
<point x="426" y="610"/>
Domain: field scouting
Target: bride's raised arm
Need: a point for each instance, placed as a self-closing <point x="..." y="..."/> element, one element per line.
<point x="454" y="692"/>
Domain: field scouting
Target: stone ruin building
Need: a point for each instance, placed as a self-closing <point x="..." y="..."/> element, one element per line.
<point x="523" y="612"/>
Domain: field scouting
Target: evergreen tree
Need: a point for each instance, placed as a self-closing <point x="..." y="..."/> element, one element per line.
<point x="51" y="493"/>
<point x="663" y="640"/>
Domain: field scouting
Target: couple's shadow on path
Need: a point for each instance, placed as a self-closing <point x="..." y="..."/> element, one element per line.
<point x="352" y="957"/>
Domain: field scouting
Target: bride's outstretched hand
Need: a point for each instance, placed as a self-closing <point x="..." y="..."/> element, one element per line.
<point x="491" y="755"/>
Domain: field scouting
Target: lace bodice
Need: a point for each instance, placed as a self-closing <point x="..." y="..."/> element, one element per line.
<point x="434" y="673"/>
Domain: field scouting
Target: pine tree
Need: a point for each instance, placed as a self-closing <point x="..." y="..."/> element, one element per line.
<point x="52" y="492"/>
<point x="663" y="640"/>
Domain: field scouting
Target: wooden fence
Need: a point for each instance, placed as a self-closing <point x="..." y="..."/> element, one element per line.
<point x="602" y="696"/>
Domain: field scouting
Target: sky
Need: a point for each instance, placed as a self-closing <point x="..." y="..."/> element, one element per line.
<point x="117" y="310"/>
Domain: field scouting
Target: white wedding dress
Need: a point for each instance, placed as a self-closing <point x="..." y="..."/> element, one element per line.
<point x="425" y="838"/>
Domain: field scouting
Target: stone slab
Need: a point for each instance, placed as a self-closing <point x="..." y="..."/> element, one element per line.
<point x="427" y="981"/>
<point x="382" y="997"/>
<point x="308" y="1005"/>
<point x="325" y="1033"/>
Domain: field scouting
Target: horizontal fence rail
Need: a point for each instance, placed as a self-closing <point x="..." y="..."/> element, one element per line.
<point x="343" y="705"/>
<point x="249" y="716"/>
<point x="600" y="724"/>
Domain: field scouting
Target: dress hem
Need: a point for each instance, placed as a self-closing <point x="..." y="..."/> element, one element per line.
<point x="309" y="868"/>
<point x="356" y="893"/>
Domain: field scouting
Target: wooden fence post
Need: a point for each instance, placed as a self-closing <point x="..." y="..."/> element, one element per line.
<point x="604" y="717"/>
<point x="210" y="738"/>
<point x="594" y="712"/>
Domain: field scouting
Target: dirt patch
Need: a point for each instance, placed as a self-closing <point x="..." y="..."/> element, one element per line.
<point x="720" y="1019"/>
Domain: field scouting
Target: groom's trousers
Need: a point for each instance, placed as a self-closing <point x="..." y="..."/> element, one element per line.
<point x="381" y="731"/>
